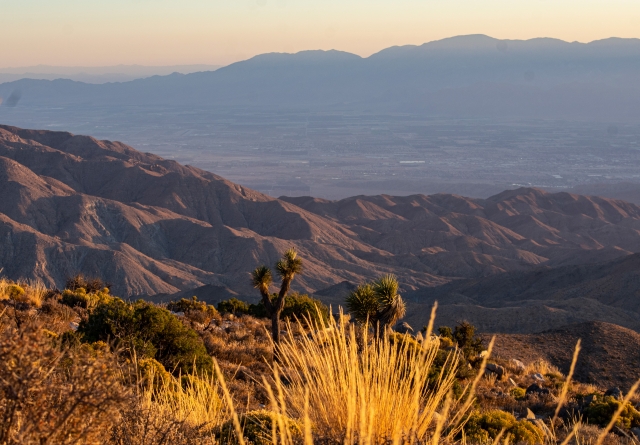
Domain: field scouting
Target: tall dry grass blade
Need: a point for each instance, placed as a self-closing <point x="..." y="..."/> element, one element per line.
<point x="442" y="418"/>
<point x="616" y="415"/>
<point x="308" y="438"/>
<point x="432" y="320"/>
<point x="229" y="401"/>
<point x="567" y="383"/>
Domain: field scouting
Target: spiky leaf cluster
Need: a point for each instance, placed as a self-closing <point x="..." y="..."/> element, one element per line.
<point x="377" y="302"/>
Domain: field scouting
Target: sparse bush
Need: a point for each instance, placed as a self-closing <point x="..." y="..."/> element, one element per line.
<point x="151" y="330"/>
<point x="90" y="285"/>
<point x="601" y="410"/>
<point x="53" y="395"/>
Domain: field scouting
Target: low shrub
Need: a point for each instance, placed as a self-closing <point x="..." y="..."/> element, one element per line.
<point x="14" y="291"/>
<point x="518" y="393"/>
<point x="483" y="427"/>
<point x="601" y="410"/>
<point x="80" y="297"/>
<point x="195" y="310"/>
<point x="151" y="331"/>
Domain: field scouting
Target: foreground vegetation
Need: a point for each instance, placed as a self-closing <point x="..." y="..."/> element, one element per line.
<point x="81" y="366"/>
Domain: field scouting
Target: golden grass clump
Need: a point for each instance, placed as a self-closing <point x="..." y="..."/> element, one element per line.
<point x="361" y="389"/>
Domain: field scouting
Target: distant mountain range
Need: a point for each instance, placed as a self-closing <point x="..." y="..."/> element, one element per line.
<point x="97" y="74"/>
<point x="465" y="76"/>
<point x="521" y="261"/>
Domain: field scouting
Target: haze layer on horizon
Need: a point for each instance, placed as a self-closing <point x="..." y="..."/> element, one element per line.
<point x="172" y="32"/>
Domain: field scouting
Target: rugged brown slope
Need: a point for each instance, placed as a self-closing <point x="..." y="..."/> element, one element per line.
<point x="542" y="298"/>
<point x="74" y="204"/>
<point x="457" y="236"/>
<point x="610" y="354"/>
<point x="177" y="226"/>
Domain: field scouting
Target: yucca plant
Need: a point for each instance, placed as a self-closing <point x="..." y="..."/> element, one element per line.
<point x="262" y="277"/>
<point x="377" y="303"/>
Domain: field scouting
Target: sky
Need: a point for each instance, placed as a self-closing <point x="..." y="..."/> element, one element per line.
<point x="219" y="32"/>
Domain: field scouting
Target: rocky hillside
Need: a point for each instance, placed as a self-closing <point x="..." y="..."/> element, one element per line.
<point x="610" y="354"/>
<point x="539" y="299"/>
<point x="72" y="204"/>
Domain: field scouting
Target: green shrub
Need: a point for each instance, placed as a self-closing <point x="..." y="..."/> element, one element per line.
<point x="14" y="292"/>
<point x="601" y="410"/>
<point x="303" y="307"/>
<point x="88" y="300"/>
<point x="258" y="428"/>
<point x="151" y="330"/>
<point x="300" y="306"/>
<point x="233" y="306"/>
<point x="444" y="331"/>
<point x="518" y="393"/>
<point x="483" y="427"/>
<point x="196" y="310"/>
<point x="465" y="335"/>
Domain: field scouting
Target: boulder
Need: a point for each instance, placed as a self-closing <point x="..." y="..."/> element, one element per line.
<point x="496" y="369"/>
<point x="535" y="389"/>
<point x="616" y="393"/>
<point x="517" y="365"/>
<point x="530" y="415"/>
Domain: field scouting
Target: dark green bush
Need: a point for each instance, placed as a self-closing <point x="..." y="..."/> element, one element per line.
<point x="233" y="306"/>
<point x="464" y="336"/>
<point x="444" y="331"/>
<point x="601" y="410"/>
<point x="300" y="306"/>
<point x="151" y="330"/>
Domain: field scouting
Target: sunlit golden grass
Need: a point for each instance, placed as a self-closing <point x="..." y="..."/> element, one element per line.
<point x="192" y="399"/>
<point x="363" y="390"/>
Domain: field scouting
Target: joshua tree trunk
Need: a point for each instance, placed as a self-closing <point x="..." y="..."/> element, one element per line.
<point x="275" y="327"/>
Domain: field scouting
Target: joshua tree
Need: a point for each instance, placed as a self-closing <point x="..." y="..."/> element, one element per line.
<point x="287" y="268"/>
<point x="378" y="303"/>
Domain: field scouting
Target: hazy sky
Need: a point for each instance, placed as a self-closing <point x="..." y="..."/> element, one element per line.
<point x="167" y="32"/>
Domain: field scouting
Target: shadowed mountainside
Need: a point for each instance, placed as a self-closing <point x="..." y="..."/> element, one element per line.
<point x="151" y="226"/>
<point x="610" y="354"/>
<point x="539" y="299"/>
